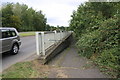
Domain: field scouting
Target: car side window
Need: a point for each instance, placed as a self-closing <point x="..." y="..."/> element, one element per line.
<point x="13" y="33"/>
<point x="5" y="34"/>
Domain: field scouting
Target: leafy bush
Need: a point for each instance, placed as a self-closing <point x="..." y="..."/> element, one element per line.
<point x="109" y="61"/>
<point x="88" y="43"/>
<point x="98" y="34"/>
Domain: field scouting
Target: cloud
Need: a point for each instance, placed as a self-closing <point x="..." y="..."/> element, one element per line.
<point x="57" y="11"/>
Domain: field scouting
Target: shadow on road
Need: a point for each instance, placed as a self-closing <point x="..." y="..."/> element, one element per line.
<point x="6" y="54"/>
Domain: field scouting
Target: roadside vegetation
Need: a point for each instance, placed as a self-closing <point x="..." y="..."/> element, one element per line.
<point x="96" y="26"/>
<point x="30" y="69"/>
<point x="24" y="19"/>
<point x="21" y="17"/>
<point x="24" y="34"/>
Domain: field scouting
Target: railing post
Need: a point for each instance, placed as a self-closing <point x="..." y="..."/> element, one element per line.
<point x="37" y="43"/>
<point x="60" y="35"/>
<point x="43" y="43"/>
<point x="55" y="32"/>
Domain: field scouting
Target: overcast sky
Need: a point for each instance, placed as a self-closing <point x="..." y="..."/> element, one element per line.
<point x="57" y="12"/>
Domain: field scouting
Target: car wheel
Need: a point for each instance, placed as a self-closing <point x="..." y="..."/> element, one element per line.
<point x="15" y="49"/>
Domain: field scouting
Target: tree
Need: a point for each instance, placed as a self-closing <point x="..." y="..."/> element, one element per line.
<point x="6" y="15"/>
<point x="23" y="18"/>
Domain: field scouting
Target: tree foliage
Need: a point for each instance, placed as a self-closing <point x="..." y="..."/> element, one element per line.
<point x="23" y="18"/>
<point x="96" y="26"/>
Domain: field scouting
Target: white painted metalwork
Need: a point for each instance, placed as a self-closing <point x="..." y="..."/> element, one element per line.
<point x="45" y="40"/>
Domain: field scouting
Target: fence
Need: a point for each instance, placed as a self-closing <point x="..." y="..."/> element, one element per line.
<point x="45" y="40"/>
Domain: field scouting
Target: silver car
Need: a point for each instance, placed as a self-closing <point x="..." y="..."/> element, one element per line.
<point x="9" y="40"/>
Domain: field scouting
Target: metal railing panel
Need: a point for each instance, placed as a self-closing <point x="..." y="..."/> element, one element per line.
<point x="44" y="40"/>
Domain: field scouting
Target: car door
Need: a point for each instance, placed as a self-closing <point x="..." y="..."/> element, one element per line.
<point x="6" y="40"/>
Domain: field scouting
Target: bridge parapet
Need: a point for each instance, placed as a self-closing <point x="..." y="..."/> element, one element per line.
<point x="47" y="42"/>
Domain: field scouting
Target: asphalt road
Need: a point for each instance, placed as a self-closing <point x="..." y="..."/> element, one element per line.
<point x="27" y="49"/>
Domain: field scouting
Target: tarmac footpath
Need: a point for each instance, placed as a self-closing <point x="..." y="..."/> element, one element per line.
<point x="68" y="64"/>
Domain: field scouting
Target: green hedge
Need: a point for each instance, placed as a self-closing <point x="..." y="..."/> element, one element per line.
<point x="98" y="34"/>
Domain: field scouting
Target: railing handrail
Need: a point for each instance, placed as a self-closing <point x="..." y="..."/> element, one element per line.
<point x="43" y="41"/>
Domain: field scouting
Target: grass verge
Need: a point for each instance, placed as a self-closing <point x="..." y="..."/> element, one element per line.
<point x="27" y="34"/>
<point x="31" y="69"/>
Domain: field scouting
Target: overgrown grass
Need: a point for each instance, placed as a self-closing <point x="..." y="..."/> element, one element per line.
<point x="30" y="69"/>
<point x="27" y="34"/>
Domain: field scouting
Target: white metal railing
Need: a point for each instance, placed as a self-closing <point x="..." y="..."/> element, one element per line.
<point x="45" y="40"/>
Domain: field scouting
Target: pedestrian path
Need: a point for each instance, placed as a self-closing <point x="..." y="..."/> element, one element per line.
<point x="69" y="64"/>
